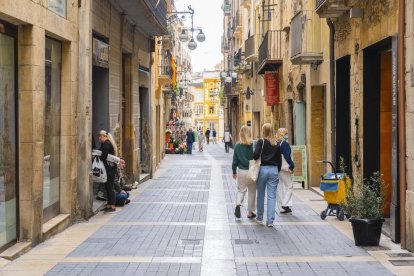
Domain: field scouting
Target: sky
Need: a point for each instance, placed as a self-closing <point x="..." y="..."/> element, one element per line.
<point x="208" y="16"/>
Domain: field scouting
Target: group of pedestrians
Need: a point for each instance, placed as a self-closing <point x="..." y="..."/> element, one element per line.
<point x="201" y="137"/>
<point x="274" y="176"/>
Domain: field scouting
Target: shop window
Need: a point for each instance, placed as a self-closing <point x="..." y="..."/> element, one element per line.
<point x="57" y="6"/>
<point x="8" y="137"/>
<point x="51" y="170"/>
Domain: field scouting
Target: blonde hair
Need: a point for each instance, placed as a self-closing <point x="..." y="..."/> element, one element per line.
<point x="281" y="132"/>
<point x="109" y="137"/>
<point x="267" y="133"/>
<point x="245" y="135"/>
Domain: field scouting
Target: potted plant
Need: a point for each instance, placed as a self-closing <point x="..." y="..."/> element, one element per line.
<point x="364" y="204"/>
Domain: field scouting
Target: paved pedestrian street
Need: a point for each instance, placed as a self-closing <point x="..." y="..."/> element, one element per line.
<point x="182" y="223"/>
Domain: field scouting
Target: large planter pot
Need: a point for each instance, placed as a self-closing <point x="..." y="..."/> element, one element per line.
<point x="367" y="232"/>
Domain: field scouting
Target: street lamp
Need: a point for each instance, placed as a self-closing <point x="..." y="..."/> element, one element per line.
<point x="192" y="45"/>
<point x="201" y="36"/>
<point x="183" y="37"/>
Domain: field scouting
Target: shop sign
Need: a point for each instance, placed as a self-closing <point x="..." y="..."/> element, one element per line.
<point x="272" y="88"/>
<point x="57" y="6"/>
<point x="100" y="55"/>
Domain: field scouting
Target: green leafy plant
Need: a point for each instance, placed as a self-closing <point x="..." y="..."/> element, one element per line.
<point x="366" y="201"/>
<point x="342" y="165"/>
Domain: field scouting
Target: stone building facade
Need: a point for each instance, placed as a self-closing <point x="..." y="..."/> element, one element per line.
<point x="69" y="69"/>
<point x="339" y="66"/>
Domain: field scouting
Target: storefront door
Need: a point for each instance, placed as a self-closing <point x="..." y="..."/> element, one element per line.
<point x="8" y="136"/>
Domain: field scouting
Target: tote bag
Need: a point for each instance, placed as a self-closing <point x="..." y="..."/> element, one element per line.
<point x="98" y="171"/>
<point x="285" y="164"/>
<point x="254" y="166"/>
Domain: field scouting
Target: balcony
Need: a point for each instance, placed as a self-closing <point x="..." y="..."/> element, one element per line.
<point x="238" y="28"/>
<point x="150" y="15"/>
<point x="331" y="8"/>
<point x="304" y="42"/>
<point x="270" y="52"/>
<point x="164" y="67"/>
<point x="225" y="47"/>
<point x="167" y="42"/>
<point x="246" y="3"/>
<point x="250" y="49"/>
<point x="226" y="8"/>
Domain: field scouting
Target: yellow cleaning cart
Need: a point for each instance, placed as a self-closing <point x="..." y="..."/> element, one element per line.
<point x="334" y="186"/>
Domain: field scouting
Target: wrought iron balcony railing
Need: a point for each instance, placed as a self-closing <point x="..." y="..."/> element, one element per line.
<point x="270" y="52"/>
<point x="250" y="51"/>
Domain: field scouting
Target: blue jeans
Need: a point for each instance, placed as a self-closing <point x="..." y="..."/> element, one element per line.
<point x="190" y="147"/>
<point x="268" y="179"/>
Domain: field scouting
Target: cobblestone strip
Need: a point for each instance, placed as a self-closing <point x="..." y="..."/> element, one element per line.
<point x="218" y="256"/>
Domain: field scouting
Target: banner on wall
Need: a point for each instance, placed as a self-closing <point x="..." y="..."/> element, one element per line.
<point x="272" y="88"/>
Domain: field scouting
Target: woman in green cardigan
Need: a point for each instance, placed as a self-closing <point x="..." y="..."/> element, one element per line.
<point x="243" y="152"/>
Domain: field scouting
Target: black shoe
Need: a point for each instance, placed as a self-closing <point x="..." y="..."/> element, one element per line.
<point x="253" y="215"/>
<point x="110" y="210"/>
<point x="127" y="201"/>
<point x="286" y="210"/>
<point x="105" y="209"/>
<point x="237" y="211"/>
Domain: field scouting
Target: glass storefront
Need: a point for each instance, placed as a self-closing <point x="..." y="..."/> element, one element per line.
<point x="51" y="181"/>
<point x="8" y="139"/>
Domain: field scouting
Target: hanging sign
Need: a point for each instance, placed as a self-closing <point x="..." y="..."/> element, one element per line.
<point x="272" y="88"/>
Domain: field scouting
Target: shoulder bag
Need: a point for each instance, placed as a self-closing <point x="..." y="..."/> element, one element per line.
<point x="285" y="164"/>
<point x="254" y="166"/>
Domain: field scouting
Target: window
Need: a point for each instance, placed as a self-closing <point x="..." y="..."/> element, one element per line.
<point x="211" y="109"/>
<point x="199" y="109"/>
<point x="57" y="6"/>
<point x="51" y="169"/>
<point x="8" y="157"/>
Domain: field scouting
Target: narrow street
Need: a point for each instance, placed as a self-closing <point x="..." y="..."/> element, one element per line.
<point x="181" y="223"/>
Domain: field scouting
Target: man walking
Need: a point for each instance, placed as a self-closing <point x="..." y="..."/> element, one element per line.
<point x="227" y="139"/>
<point x="190" y="141"/>
<point x="214" y="136"/>
<point x="208" y="136"/>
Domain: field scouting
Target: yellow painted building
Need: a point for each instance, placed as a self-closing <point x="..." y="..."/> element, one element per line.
<point x="211" y="104"/>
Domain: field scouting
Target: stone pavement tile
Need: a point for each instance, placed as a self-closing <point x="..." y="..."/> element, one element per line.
<point x="312" y="268"/>
<point x="301" y="213"/>
<point x="291" y="240"/>
<point x="179" y="184"/>
<point x="125" y="268"/>
<point x="154" y="241"/>
<point x="162" y="213"/>
<point x="172" y="196"/>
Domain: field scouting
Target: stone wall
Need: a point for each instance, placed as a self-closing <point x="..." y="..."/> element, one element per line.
<point x="409" y="84"/>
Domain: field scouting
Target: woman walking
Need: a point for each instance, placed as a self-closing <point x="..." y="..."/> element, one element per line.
<point x="285" y="187"/>
<point x="200" y="138"/>
<point x="108" y="146"/>
<point x="269" y="152"/>
<point x="243" y="152"/>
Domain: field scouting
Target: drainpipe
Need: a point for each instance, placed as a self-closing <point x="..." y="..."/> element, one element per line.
<point x="332" y="85"/>
<point x="401" y="121"/>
